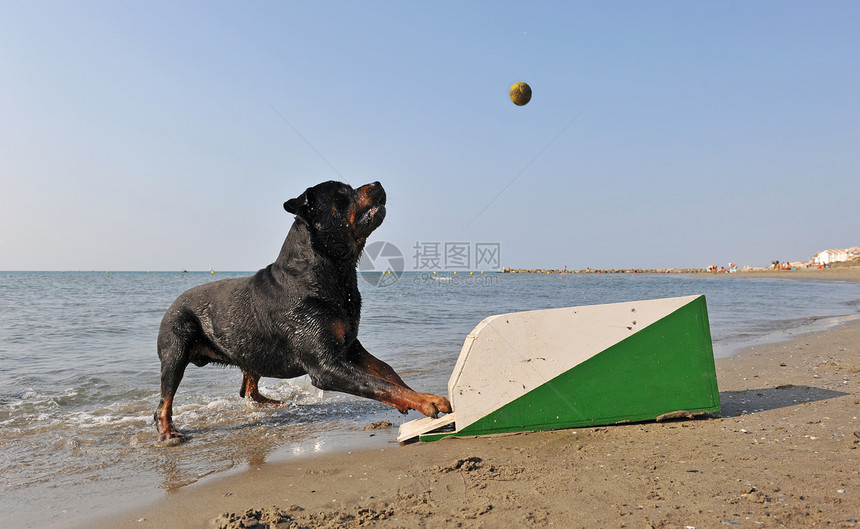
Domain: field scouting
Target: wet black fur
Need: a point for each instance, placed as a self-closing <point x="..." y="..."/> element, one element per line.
<point x="282" y="322"/>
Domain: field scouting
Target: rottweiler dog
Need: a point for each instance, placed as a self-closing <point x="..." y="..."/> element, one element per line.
<point x="297" y="316"/>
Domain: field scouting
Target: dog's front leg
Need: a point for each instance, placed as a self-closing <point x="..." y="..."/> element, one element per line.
<point x="362" y="359"/>
<point x="339" y="374"/>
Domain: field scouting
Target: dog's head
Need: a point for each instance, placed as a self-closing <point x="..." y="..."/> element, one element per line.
<point x="340" y="218"/>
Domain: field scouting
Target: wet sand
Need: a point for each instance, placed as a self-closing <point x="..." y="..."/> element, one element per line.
<point x="783" y="452"/>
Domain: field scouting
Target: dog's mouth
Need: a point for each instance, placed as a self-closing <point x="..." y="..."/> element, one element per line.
<point x="374" y="215"/>
<point x="370" y="220"/>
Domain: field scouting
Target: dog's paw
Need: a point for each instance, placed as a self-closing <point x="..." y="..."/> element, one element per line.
<point x="433" y="405"/>
<point x="170" y="441"/>
<point x="170" y="437"/>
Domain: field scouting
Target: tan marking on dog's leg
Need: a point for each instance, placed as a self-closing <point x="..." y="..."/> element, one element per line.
<point x="166" y="430"/>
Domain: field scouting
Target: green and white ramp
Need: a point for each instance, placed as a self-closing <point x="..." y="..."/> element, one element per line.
<point x="580" y="366"/>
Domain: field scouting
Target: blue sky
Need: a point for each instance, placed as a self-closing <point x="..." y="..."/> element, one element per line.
<point x="147" y="135"/>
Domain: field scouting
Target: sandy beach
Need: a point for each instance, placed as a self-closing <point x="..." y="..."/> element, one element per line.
<point x="827" y="274"/>
<point x="782" y="453"/>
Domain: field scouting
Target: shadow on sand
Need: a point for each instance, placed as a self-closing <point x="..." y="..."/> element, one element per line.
<point x="736" y="403"/>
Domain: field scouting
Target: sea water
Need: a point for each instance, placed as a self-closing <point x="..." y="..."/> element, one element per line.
<point x="79" y="373"/>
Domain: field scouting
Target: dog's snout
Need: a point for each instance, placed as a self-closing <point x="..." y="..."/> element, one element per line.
<point x="372" y="192"/>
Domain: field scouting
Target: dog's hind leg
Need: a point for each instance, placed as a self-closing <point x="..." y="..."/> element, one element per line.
<point x="171" y="376"/>
<point x="251" y="389"/>
<point x="175" y="339"/>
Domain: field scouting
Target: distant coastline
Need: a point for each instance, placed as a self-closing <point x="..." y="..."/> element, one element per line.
<point x="839" y="272"/>
<point x="602" y="271"/>
<point x="821" y="263"/>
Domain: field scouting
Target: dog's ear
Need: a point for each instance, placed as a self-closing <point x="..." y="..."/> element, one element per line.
<point x="299" y="205"/>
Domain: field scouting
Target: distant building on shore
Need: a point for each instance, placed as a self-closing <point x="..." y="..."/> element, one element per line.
<point x="827" y="257"/>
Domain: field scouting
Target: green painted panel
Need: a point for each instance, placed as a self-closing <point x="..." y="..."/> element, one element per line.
<point x="665" y="367"/>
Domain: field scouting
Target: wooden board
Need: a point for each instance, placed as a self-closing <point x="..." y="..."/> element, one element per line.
<point x="575" y="366"/>
<point x="413" y="429"/>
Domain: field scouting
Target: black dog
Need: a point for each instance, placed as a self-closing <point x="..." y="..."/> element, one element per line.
<point x="297" y="316"/>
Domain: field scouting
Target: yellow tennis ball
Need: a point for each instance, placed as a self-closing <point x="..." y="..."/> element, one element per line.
<point x="521" y="93"/>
